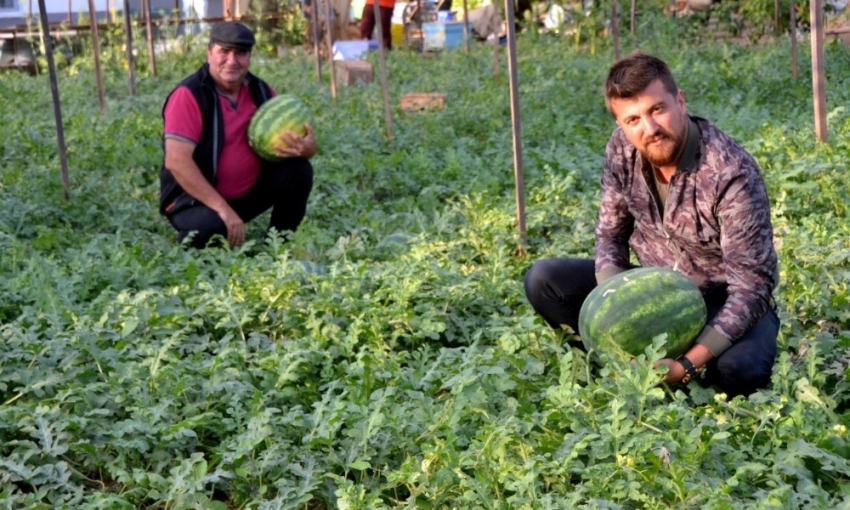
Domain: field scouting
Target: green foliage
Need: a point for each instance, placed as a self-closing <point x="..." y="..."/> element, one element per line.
<point x="386" y="357"/>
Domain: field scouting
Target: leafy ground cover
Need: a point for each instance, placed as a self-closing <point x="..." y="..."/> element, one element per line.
<point x="386" y="358"/>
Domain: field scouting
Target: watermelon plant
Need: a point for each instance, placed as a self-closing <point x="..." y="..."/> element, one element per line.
<point x="385" y="356"/>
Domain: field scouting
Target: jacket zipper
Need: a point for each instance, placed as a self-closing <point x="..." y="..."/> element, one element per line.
<point x="674" y="247"/>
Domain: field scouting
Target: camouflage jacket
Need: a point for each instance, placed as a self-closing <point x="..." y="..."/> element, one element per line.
<point x="714" y="227"/>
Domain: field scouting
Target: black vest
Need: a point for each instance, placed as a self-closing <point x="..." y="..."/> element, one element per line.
<point x="172" y="198"/>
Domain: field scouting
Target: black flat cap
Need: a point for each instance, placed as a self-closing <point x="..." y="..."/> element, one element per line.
<point x="232" y="35"/>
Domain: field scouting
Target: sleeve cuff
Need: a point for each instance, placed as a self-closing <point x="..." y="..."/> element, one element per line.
<point x="713" y="340"/>
<point x="607" y="272"/>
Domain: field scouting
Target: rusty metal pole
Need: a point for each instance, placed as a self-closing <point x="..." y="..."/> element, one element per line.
<point x="149" y="27"/>
<point x="465" y="27"/>
<point x="615" y="28"/>
<point x="96" y="49"/>
<point x="382" y="64"/>
<point x="314" y="13"/>
<point x="776" y="11"/>
<point x="330" y="42"/>
<point x="519" y="180"/>
<point x="496" y="67"/>
<point x="54" y="90"/>
<point x="128" y="27"/>
<point x="818" y="73"/>
<point x="795" y="71"/>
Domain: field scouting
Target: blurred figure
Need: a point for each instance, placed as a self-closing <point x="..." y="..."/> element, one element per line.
<point x="367" y="21"/>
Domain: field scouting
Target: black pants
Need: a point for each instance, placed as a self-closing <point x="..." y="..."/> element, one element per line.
<point x="556" y="289"/>
<point x="284" y="186"/>
<point x="367" y="24"/>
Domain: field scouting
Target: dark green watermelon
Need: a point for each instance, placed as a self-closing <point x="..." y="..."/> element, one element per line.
<point x="623" y="315"/>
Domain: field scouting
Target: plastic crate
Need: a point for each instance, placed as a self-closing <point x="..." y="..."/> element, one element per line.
<point x="438" y="36"/>
<point x="352" y="50"/>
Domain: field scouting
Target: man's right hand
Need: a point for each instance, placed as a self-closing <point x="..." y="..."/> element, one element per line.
<point x="235" y="225"/>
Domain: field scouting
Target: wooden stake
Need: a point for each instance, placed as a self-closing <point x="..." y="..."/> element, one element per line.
<point x="54" y="90"/>
<point x="465" y="27"/>
<point x="96" y="49"/>
<point x="795" y="72"/>
<point x="382" y="63"/>
<point x="615" y="28"/>
<point x="496" y="68"/>
<point x="151" y="51"/>
<point x="818" y="75"/>
<point x="128" y="27"/>
<point x="330" y="41"/>
<point x="633" y="18"/>
<point x="314" y="13"/>
<point x="519" y="180"/>
<point x="776" y="11"/>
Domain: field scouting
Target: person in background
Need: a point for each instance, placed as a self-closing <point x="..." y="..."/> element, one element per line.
<point x="367" y="21"/>
<point x="683" y="195"/>
<point x="211" y="181"/>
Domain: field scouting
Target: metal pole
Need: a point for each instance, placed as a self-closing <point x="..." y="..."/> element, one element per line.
<point x="314" y="13"/>
<point x="615" y="28"/>
<point x="465" y="27"/>
<point x="794" y="67"/>
<point x="382" y="63"/>
<point x="632" y="21"/>
<point x="330" y="41"/>
<point x="128" y="27"/>
<point x="495" y="55"/>
<point x="519" y="180"/>
<point x="151" y="51"/>
<point x="54" y="90"/>
<point x="96" y="49"/>
<point x="818" y="74"/>
<point x="776" y="11"/>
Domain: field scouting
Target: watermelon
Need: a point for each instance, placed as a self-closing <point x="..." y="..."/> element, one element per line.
<point x="621" y="316"/>
<point x="279" y="114"/>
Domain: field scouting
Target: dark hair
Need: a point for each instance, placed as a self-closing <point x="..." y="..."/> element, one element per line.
<point x="632" y="74"/>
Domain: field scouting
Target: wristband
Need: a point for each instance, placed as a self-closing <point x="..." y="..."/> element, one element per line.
<point x="691" y="371"/>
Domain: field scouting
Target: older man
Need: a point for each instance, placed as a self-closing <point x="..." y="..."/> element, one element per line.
<point x="211" y="181"/>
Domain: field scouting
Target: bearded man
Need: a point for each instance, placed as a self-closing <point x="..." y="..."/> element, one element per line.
<point x="682" y="195"/>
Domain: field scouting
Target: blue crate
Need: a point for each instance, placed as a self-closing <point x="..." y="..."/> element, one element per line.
<point x="438" y="36"/>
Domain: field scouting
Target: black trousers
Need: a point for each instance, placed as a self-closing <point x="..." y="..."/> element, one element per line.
<point x="282" y="186"/>
<point x="367" y="24"/>
<point x="556" y="289"/>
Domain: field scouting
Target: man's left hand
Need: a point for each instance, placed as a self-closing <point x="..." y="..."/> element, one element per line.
<point x="295" y="146"/>
<point x="675" y="370"/>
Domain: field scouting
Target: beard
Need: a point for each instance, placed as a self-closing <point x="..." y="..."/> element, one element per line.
<point x="665" y="153"/>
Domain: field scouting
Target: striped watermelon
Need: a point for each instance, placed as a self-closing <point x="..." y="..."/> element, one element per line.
<point x="279" y="114"/>
<point x="623" y="315"/>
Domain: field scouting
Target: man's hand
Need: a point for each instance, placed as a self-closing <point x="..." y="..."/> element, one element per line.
<point x="675" y="370"/>
<point x="297" y="146"/>
<point x="235" y="225"/>
<point x="699" y="355"/>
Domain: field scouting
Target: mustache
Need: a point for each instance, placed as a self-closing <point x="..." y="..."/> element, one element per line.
<point x="657" y="136"/>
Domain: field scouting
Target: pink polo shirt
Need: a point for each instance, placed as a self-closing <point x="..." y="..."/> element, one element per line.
<point x="239" y="166"/>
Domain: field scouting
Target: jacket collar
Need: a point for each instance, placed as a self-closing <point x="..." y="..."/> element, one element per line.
<point x="693" y="148"/>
